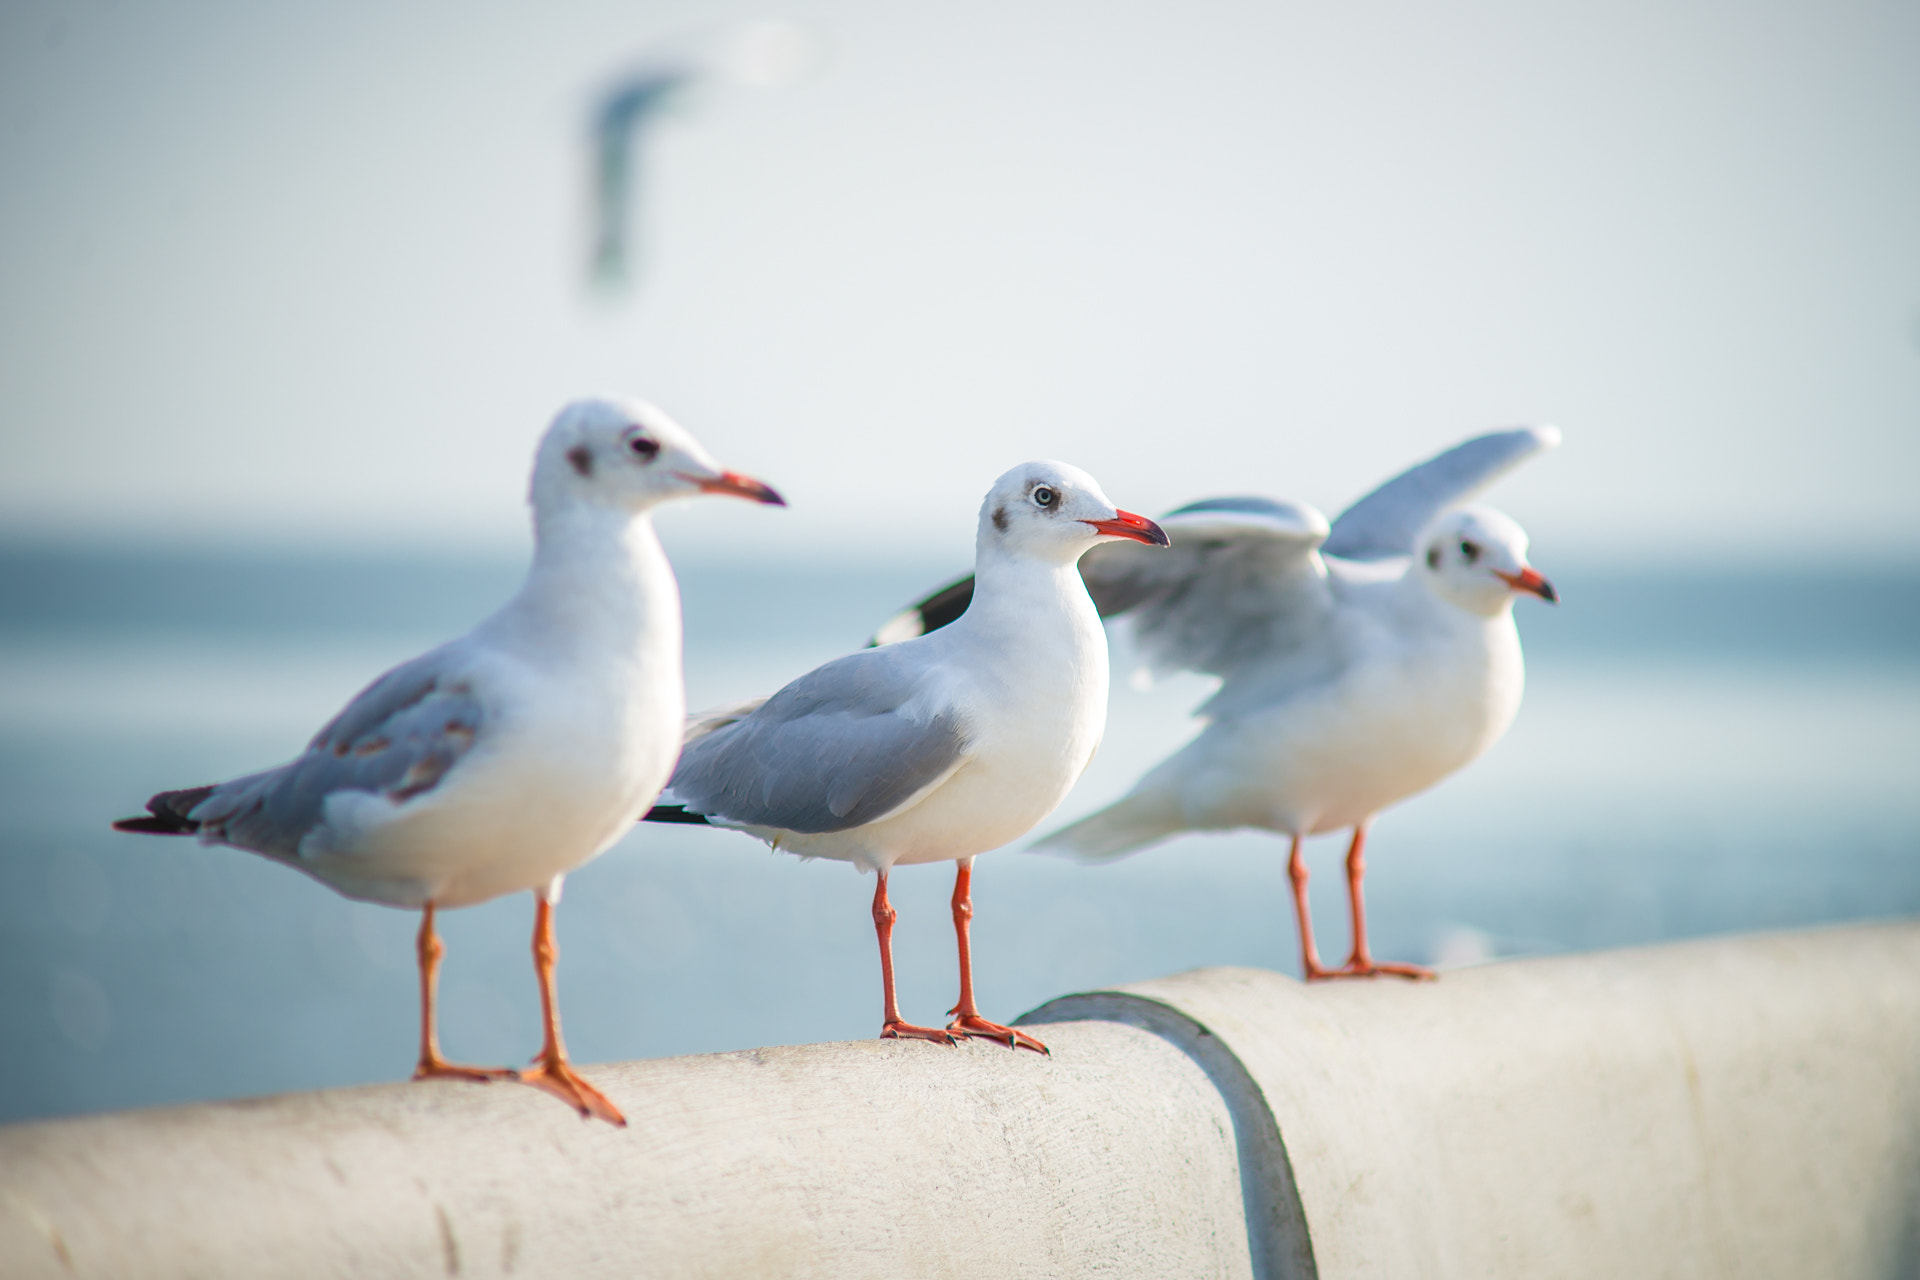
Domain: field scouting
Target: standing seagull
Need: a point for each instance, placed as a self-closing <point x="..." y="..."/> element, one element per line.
<point x="1360" y="662"/>
<point x="506" y="758"/>
<point x="938" y="748"/>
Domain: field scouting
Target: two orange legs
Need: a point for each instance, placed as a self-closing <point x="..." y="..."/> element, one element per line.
<point x="966" y="1014"/>
<point x="551" y="1071"/>
<point x="1360" y="964"/>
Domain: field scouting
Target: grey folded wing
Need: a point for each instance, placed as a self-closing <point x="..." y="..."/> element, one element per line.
<point x="1240" y="579"/>
<point x="1386" y="521"/>
<point x="843" y="746"/>
<point x="398" y="737"/>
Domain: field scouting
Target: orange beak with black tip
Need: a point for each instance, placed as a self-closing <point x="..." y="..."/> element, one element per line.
<point x="1125" y="524"/>
<point x="1529" y="580"/>
<point x="738" y="486"/>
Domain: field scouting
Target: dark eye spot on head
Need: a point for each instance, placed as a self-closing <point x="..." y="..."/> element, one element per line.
<point x="1433" y="557"/>
<point x="643" y="448"/>
<point x="1470" y="550"/>
<point x="1000" y="519"/>
<point x="582" y="459"/>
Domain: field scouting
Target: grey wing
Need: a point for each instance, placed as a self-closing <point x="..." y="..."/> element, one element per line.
<point x="1240" y="580"/>
<point x="702" y="723"/>
<point x="841" y="747"/>
<point x="1386" y="521"/>
<point x="398" y="737"/>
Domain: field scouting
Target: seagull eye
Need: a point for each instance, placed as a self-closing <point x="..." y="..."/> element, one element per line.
<point x="1470" y="550"/>
<point x="1044" y="496"/>
<point x="643" y="448"/>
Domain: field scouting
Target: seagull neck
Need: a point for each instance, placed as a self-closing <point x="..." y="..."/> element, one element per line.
<point x="599" y="578"/>
<point x="1456" y="609"/>
<point x="1016" y="596"/>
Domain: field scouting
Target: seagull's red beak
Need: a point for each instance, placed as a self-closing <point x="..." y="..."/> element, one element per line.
<point x="1529" y="580"/>
<point x="739" y="486"/>
<point x="1125" y="524"/>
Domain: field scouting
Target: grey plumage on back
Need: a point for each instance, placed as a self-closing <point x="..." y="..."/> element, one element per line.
<point x="840" y="747"/>
<point x="1240" y="579"/>
<point x="398" y="738"/>
<point x="1385" y="522"/>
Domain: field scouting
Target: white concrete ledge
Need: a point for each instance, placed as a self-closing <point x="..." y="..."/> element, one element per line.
<point x="1738" y="1107"/>
<point x="1742" y="1106"/>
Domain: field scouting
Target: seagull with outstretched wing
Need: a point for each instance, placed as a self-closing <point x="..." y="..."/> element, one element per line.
<point x="1360" y="662"/>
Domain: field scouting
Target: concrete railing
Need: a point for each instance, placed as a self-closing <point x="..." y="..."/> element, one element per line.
<point x="1737" y="1107"/>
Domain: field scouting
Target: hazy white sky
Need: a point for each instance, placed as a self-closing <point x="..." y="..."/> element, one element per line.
<point x="272" y="274"/>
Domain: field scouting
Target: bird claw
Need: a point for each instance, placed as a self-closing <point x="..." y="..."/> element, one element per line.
<point x="907" y="1031"/>
<point x="557" y="1077"/>
<point x="440" y="1069"/>
<point x="973" y="1025"/>
<point x="1374" y="969"/>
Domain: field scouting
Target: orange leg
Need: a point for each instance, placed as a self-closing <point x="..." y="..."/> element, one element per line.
<point x="553" y="1072"/>
<point x="1310" y="966"/>
<point x="432" y="1066"/>
<point x="1361" y="963"/>
<point x="894" y="1028"/>
<point x="968" y="1021"/>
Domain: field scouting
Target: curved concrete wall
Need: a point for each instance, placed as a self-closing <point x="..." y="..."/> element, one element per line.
<point x="1738" y="1107"/>
<point x="1735" y="1107"/>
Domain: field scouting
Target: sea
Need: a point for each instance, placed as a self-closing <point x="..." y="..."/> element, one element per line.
<point x="1700" y="751"/>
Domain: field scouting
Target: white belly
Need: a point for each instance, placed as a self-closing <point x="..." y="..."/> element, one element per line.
<point x="1332" y="757"/>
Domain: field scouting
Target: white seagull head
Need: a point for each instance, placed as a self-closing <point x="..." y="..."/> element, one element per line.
<point x="1054" y="513"/>
<point x="628" y="455"/>
<point x="1476" y="558"/>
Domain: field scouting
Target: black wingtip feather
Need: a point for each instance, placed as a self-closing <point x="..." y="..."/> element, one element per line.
<point x="149" y="825"/>
<point x="674" y="813"/>
<point x="166" y="814"/>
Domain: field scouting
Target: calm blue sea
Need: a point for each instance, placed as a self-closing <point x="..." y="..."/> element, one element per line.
<point x="1696" y="754"/>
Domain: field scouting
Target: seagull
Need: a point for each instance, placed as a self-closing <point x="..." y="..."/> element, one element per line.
<point x="504" y="759"/>
<point x="1360" y="661"/>
<point x="761" y="54"/>
<point x="941" y="747"/>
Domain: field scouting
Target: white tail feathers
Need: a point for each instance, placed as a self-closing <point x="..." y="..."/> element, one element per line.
<point x="1128" y="824"/>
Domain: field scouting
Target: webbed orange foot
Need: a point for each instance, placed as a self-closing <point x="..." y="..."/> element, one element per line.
<point x="555" y="1075"/>
<point x="973" y="1025"/>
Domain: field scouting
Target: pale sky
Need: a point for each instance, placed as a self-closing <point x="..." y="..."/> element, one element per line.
<point x="315" y="275"/>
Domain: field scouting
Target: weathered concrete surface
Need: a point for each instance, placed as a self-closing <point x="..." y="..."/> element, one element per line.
<point x="1735" y="1107"/>
<point x="1116" y="1157"/>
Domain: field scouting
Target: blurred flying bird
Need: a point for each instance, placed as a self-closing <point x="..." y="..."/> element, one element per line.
<point x="617" y="129"/>
<point x="504" y="759"/>
<point x="938" y="748"/>
<point x="1361" y="662"/>
<point x="754" y="54"/>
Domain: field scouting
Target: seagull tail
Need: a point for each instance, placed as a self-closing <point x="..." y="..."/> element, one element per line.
<point x="1127" y="825"/>
<point x="166" y="814"/>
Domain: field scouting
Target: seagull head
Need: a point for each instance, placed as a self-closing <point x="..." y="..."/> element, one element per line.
<point x="628" y="455"/>
<point x="1477" y="559"/>
<point x="1055" y="513"/>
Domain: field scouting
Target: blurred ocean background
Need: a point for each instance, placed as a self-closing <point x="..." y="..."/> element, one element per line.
<point x="1699" y="751"/>
<point x="290" y="290"/>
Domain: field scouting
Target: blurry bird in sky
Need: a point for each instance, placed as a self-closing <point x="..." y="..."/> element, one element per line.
<point x="762" y="55"/>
